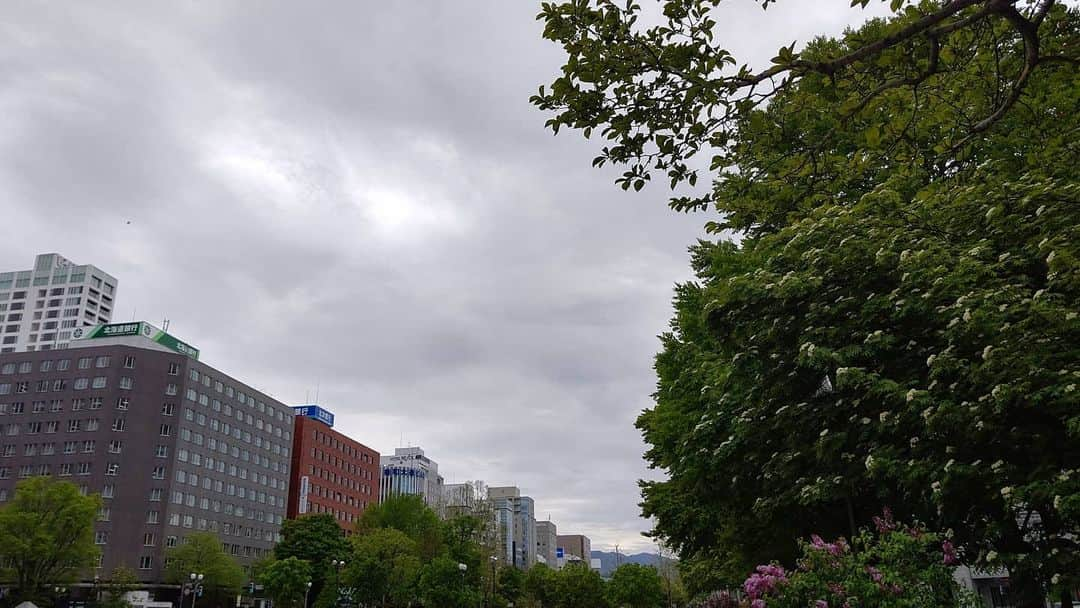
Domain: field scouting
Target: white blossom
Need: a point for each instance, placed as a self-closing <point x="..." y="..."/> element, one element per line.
<point x="1006" y="492"/>
<point x="1055" y="579"/>
<point x="883" y="416"/>
<point x="948" y="465"/>
<point x="997" y="465"/>
<point x="991" y="556"/>
<point x="823" y="433"/>
<point x="869" y="461"/>
<point x="930" y="360"/>
<point x="986" y="352"/>
<point x="865" y="420"/>
<point x="936" y="486"/>
<point x="911" y="395"/>
<point x="1057" y="502"/>
<point x="967" y="315"/>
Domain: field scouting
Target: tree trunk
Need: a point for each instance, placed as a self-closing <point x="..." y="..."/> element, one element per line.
<point x="1066" y="599"/>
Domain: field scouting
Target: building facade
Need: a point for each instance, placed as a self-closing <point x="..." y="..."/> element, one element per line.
<point x="331" y="472"/>
<point x="547" y="541"/>
<point x="576" y="545"/>
<point x="409" y="471"/>
<point x="42" y="308"/>
<point x="172" y="445"/>
<point x="521" y="512"/>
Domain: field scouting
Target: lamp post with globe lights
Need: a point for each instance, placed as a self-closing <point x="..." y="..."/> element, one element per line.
<point x="195" y="586"/>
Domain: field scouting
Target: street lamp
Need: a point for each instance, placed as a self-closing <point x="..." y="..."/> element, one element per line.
<point x="307" y="589"/>
<point x="195" y="586"/>
<point x="462" y="568"/>
<point x="338" y="564"/>
<point x="494" y="559"/>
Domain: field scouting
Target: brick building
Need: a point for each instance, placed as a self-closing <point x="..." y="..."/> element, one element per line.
<point x="331" y="472"/>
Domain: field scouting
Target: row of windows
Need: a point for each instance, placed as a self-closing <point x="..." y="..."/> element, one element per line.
<point x="346" y="499"/>
<point x="209" y="462"/>
<point x="27" y="367"/>
<point x="223" y="447"/>
<point x="61" y="384"/>
<point x="57" y="405"/>
<point x="337" y="444"/>
<point x="239" y="395"/>
<point x="350" y="467"/>
<point x="337" y="513"/>
<point x="217" y="506"/>
<point x="237" y="433"/>
<point x="73" y="426"/>
<point x="333" y="477"/>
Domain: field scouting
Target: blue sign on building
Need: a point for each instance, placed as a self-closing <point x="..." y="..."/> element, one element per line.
<point x="559" y="552"/>
<point x="316" y="412"/>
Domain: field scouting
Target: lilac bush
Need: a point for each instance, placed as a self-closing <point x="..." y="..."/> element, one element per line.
<point x="894" y="566"/>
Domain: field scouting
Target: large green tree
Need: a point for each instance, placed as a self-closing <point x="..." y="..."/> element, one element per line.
<point x="660" y="93"/>
<point x="540" y="585"/>
<point x="46" y="535"/>
<point x="408" y="514"/>
<point x="636" y="586"/>
<point x="287" y="581"/>
<point x="316" y="539"/>
<point x="897" y="324"/>
<point x="383" y="568"/>
<point x="443" y="583"/>
<point x="578" y="586"/>
<point x="201" y="553"/>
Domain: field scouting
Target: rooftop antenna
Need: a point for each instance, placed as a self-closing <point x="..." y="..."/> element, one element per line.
<point x="307" y="396"/>
<point x="316" y="392"/>
<point x="165" y="324"/>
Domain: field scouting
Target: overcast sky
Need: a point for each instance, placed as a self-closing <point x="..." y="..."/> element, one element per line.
<point x="358" y="197"/>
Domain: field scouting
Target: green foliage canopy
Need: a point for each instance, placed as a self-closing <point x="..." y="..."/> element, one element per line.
<point x="635" y="586"/>
<point x="46" y="535"/>
<point x="287" y="581"/>
<point x="201" y="553"/>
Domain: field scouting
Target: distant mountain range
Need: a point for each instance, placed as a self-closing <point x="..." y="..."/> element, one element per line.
<point x="608" y="560"/>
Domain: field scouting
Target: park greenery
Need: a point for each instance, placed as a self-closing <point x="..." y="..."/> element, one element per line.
<point x="402" y="554"/>
<point x="887" y="314"/>
<point x="46" y="537"/>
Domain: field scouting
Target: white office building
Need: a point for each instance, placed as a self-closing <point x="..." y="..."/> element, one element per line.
<point x="409" y="471"/>
<point x="45" y="307"/>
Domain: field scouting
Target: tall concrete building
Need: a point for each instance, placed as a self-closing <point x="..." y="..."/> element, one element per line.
<point x="547" y="541"/>
<point x="409" y="471"/>
<point x="331" y="472"/>
<point x="520" y="511"/>
<point x="576" y="545"/>
<point x="466" y="498"/>
<point x="172" y="445"/>
<point x="44" y="307"/>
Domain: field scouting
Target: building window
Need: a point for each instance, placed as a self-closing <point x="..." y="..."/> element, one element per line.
<point x="116" y="446"/>
<point x="129" y="362"/>
<point x="159" y="472"/>
<point x="161" y="451"/>
<point x="102" y="361"/>
<point x="92" y="424"/>
<point x="69" y="447"/>
<point x="88" y="446"/>
<point x="65" y="469"/>
<point x="101" y="537"/>
<point x="155" y="494"/>
<point x="148" y="539"/>
<point x="108" y="490"/>
<point x="104" y="513"/>
<point x="170" y="389"/>
<point x="100" y="382"/>
<point x="152" y="517"/>
<point x="81" y="384"/>
<point x="112" y="469"/>
<point x="119" y="424"/>
<point x="122" y="403"/>
<point x="168" y="409"/>
<point x="95" y="403"/>
<point x="165" y="430"/>
<point x="170" y="541"/>
<point x="126" y="383"/>
<point x="85" y="362"/>
<point x="146" y="562"/>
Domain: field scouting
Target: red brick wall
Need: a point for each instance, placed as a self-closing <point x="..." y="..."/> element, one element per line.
<point x="343" y="474"/>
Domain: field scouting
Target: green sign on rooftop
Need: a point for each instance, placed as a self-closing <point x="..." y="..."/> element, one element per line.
<point x="137" y="328"/>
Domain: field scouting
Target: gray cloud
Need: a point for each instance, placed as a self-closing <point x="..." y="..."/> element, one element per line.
<point x="358" y="196"/>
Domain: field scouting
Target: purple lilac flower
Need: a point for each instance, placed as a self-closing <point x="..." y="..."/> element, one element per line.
<point x="875" y="574"/>
<point x="885" y="523"/>
<point x="758" y="603"/>
<point x="949" y="554"/>
<point x="821" y="604"/>
<point x="764" y="580"/>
